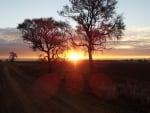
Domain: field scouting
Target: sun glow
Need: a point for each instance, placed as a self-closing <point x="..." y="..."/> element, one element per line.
<point x="74" y="55"/>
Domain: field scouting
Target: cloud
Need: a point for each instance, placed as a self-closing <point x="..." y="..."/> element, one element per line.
<point x="10" y="40"/>
<point x="135" y="38"/>
<point x="136" y="34"/>
<point x="9" y="34"/>
<point x="135" y="42"/>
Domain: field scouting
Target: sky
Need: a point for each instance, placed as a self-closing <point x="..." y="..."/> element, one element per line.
<point x="134" y="44"/>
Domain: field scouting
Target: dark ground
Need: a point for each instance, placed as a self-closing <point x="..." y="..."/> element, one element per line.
<point x="131" y="78"/>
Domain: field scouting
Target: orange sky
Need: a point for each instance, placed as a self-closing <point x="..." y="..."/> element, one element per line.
<point x="30" y="55"/>
<point x="134" y="44"/>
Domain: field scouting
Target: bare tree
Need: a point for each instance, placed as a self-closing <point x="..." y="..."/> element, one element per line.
<point x="46" y="35"/>
<point x="97" y="22"/>
<point x="12" y="56"/>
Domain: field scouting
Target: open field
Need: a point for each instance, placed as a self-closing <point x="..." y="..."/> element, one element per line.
<point x="23" y="88"/>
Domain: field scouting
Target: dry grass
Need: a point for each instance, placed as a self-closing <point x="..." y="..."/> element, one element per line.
<point x="130" y="78"/>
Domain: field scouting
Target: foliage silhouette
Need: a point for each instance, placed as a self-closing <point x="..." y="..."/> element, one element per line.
<point x="12" y="56"/>
<point x="46" y="35"/>
<point x="97" y="22"/>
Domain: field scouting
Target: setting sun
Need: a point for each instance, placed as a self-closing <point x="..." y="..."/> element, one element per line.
<point x="75" y="56"/>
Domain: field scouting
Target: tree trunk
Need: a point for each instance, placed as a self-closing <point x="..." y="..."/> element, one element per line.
<point x="49" y="62"/>
<point x="48" y="57"/>
<point x="91" y="66"/>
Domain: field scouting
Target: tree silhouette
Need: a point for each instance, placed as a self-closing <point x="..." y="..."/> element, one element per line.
<point x="46" y="35"/>
<point x="12" y="56"/>
<point x="97" y="22"/>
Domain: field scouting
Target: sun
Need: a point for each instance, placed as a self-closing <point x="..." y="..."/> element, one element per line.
<point x="75" y="56"/>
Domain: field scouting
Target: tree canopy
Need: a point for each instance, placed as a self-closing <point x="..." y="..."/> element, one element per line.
<point x="12" y="56"/>
<point x="97" y="22"/>
<point x="46" y="35"/>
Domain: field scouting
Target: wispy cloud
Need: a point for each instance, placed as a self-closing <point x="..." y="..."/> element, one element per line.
<point x="135" y="42"/>
<point x="137" y="34"/>
<point x="9" y="34"/>
<point x="10" y="40"/>
<point x="135" y="38"/>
